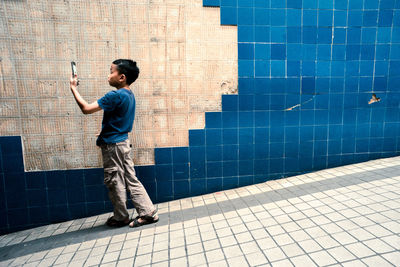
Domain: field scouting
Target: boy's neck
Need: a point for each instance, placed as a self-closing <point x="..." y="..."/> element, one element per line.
<point x="123" y="87"/>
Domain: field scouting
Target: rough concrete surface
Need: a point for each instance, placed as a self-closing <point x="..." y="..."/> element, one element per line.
<point x="187" y="60"/>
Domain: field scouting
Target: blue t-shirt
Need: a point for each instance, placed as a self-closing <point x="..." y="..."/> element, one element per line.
<point x="119" y="113"/>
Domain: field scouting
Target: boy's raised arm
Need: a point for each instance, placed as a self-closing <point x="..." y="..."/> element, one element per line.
<point x="83" y="105"/>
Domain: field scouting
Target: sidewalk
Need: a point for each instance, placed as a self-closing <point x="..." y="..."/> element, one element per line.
<point x="346" y="216"/>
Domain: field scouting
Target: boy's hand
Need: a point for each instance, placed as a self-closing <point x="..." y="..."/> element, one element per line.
<point x="74" y="82"/>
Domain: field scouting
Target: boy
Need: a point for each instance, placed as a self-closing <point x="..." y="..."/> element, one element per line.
<point x="119" y="174"/>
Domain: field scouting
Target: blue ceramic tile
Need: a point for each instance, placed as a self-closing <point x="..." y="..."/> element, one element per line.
<point x="230" y="182"/>
<point x="230" y="3"/>
<point x="278" y="17"/>
<point x="38" y="216"/>
<point x="228" y="15"/>
<point x="230" y="102"/>
<point x="163" y="155"/>
<point x="261" y="166"/>
<point x="213" y="137"/>
<point x="261" y="135"/>
<point x="214" y="184"/>
<point x="294" y="3"/>
<point x="196" y="138"/>
<point x="396" y="18"/>
<point x="77" y="210"/>
<point x="58" y="213"/>
<point x="278" y="34"/>
<point x="325" y="18"/>
<point x="246" y="180"/>
<point x="197" y="154"/>
<point x="214" y="153"/>
<point x="56" y="179"/>
<point x="276" y="166"/>
<point x="355" y="4"/>
<point x="291" y="165"/>
<point x="370" y="18"/>
<point x="384" y="34"/>
<point x="36" y="198"/>
<point x="230" y="152"/>
<point x="246" y="68"/>
<point x="261" y="3"/>
<point x="246" y="102"/>
<point x="145" y="173"/>
<point x="245" y="3"/>
<point x="306" y="149"/>
<point x="182" y="188"/>
<point x="261" y="34"/>
<point x="16" y="200"/>
<point x="214" y="169"/>
<point x="262" y="68"/>
<point x="262" y="16"/>
<point x="57" y="196"/>
<point x="245" y="16"/>
<point x="35" y="180"/>
<point x="180" y="155"/>
<point x="276" y="150"/>
<point x="387" y="4"/>
<point x="180" y="171"/>
<point x="163" y="172"/>
<point x="246" y="135"/>
<point x="94" y="176"/>
<point x="246" y="87"/>
<point x="17" y="217"/>
<point x="11" y="162"/>
<point x="211" y="3"/>
<point x="230" y="136"/>
<point x="325" y="4"/>
<point x="74" y="178"/>
<point x="309" y="17"/>
<point x="355" y="18"/>
<point x="246" y="167"/>
<point x="261" y="118"/>
<point x="341" y="4"/>
<point x="198" y="187"/>
<point x="339" y="35"/>
<point x="278" y="68"/>
<point x="340" y="18"/>
<point x="278" y="51"/>
<point x="230" y="119"/>
<point x="385" y="18"/>
<point x="245" y="33"/>
<point x="197" y="169"/>
<point x="75" y="194"/>
<point x="309" y="35"/>
<point x="213" y="119"/>
<point x="229" y="168"/>
<point x="14" y="182"/>
<point x="246" y="151"/>
<point x="324" y="35"/>
<point x="165" y="189"/>
<point x="245" y="51"/>
<point x="293" y="35"/>
<point x="246" y="119"/>
<point x="92" y="193"/>
<point x="94" y="208"/>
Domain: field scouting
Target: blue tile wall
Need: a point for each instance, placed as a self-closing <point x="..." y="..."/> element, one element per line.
<point x="307" y="70"/>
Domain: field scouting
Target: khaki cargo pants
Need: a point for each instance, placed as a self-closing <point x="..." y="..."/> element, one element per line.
<point x="119" y="176"/>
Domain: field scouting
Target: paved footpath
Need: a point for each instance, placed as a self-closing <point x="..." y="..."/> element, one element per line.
<point x="345" y="216"/>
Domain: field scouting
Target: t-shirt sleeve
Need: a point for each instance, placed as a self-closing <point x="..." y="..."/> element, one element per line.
<point x="109" y="101"/>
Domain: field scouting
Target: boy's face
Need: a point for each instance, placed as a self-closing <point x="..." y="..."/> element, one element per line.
<point x="114" y="78"/>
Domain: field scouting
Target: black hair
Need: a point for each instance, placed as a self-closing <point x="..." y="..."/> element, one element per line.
<point x="129" y="68"/>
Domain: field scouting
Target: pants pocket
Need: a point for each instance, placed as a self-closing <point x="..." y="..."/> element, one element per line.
<point x="109" y="177"/>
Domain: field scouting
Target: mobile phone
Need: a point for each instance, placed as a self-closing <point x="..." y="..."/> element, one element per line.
<point x="73" y="66"/>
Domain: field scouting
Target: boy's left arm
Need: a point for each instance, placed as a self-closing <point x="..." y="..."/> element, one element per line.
<point x="84" y="106"/>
